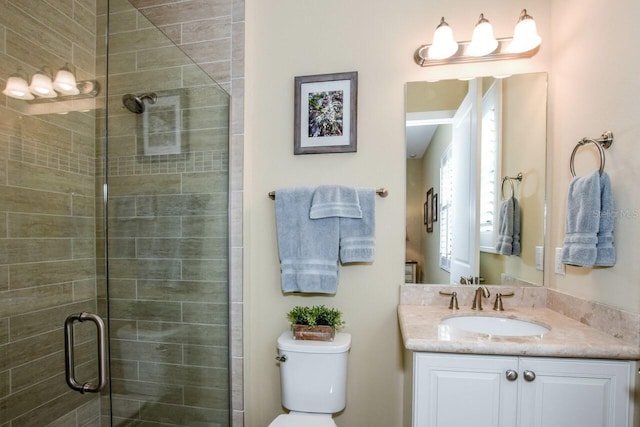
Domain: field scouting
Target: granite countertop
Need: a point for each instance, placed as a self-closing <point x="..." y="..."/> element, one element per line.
<point x="422" y="331"/>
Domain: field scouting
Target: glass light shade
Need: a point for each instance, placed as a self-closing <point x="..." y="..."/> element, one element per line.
<point x="65" y="83"/>
<point x="17" y="88"/>
<point x="525" y="35"/>
<point x="42" y="86"/>
<point x="444" y="45"/>
<point x="482" y="41"/>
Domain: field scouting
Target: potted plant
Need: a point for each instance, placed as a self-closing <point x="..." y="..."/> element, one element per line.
<point x="317" y="323"/>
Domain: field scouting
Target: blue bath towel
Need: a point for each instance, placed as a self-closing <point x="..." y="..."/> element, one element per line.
<point x="357" y="235"/>
<point x="582" y="221"/>
<point x="509" y="231"/>
<point x="605" y="252"/>
<point x="308" y="248"/>
<point x="335" y="201"/>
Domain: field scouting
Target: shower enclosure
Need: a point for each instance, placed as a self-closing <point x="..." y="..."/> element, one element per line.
<point x="114" y="195"/>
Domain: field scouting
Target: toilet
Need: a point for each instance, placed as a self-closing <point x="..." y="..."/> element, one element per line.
<point x="313" y="376"/>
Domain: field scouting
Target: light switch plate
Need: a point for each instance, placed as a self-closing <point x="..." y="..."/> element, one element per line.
<point x="539" y="257"/>
<point x="559" y="266"/>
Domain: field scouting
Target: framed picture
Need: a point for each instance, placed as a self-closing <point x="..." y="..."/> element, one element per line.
<point x="160" y="127"/>
<point x="325" y="113"/>
<point x="428" y="211"/>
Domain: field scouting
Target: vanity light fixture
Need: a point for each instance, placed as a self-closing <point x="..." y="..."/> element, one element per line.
<point x="483" y="46"/>
<point x="63" y="87"/>
<point x="525" y="35"/>
<point x="65" y="82"/>
<point x="483" y="42"/>
<point x="41" y="85"/>
<point x="444" y="45"/>
<point x="17" y="87"/>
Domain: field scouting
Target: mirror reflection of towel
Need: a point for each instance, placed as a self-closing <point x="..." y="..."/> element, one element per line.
<point x="509" y="231"/>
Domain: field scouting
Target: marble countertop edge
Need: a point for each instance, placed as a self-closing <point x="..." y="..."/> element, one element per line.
<point x="422" y="331"/>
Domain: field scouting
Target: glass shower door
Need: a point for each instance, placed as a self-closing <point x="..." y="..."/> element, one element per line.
<point x="167" y="231"/>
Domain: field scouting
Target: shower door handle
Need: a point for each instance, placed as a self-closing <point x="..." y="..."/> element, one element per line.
<point x="69" y="352"/>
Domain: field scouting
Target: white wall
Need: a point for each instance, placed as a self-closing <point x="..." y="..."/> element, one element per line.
<point x="593" y="87"/>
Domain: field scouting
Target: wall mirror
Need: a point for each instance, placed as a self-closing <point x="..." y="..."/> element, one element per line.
<point x="476" y="170"/>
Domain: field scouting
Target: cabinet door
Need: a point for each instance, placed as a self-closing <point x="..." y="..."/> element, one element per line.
<point x="574" y="393"/>
<point x="456" y="391"/>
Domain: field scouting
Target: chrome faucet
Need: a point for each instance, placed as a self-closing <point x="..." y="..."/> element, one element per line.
<point x="482" y="291"/>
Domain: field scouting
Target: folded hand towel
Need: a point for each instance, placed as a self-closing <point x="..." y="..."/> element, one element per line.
<point x="335" y="200"/>
<point x="509" y="231"/>
<point x="582" y="222"/>
<point x="308" y="248"/>
<point x="357" y="236"/>
<point x="605" y="252"/>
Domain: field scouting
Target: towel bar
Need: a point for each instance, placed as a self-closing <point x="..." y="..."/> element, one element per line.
<point x="602" y="143"/>
<point x="382" y="192"/>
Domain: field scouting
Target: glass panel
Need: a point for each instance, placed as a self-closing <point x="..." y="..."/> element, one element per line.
<point x="167" y="175"/>
<point x="47" y="212"/>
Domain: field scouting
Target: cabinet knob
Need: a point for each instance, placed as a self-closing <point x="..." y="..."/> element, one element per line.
<point x="511" y="375"/>
<point x="529" y="375"/>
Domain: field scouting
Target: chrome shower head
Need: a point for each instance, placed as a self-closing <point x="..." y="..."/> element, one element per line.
<point x="135" y="103"/>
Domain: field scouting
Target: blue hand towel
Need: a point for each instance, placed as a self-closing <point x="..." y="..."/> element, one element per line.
<point x="509" y="231"/>
<point x="582" y="222"/>
<point x="357" y="236"/>
<point x="517" y="225"/>
<point x="605" y="252"/>
<point x="335" y="200"/>
<point x="308" y="248"/>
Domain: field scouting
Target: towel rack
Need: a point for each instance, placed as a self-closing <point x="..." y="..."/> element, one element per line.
<point x="382" y="192"/>
<point x="510" y="179"/>
<point x="602" y="143"/>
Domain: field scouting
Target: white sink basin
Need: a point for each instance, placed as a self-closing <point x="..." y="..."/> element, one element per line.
<point x="494" y="325"/>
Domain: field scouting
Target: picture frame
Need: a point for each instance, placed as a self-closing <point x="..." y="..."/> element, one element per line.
<point x="160" y="127"/>
<point x="325" y="113"/>
<point x="428" y="210"/>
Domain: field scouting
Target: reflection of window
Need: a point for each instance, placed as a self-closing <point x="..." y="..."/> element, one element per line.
<point x="446" y="208"/>
<point x="490" y="167"/>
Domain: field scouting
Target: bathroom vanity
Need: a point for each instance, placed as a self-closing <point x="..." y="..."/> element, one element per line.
<point x="568" y="375"/>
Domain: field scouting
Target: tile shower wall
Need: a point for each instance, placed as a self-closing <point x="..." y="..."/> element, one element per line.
<point x="47" y="220"/>
<point x="168" y="237"/>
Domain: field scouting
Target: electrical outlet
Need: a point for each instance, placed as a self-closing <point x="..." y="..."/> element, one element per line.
<point x="539" y="258"/>
<point x="558" y="263"/>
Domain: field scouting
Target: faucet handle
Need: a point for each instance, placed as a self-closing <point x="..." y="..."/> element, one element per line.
<point x="453" y="303"/>
<point x="497" y="305"/>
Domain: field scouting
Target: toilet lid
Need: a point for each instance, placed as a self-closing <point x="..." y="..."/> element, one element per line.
<point x="301" y="420"/>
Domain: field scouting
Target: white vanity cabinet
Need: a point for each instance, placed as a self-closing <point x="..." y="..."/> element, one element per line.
<point x="455" y="390"/>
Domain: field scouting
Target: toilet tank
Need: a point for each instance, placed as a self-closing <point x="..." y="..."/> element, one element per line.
<point x="314" y="374"/>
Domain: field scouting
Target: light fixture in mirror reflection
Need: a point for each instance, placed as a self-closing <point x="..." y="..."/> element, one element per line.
<point x="479" y="131"/>
<point x="44" y="88"/>
<point x="483" y="45"/>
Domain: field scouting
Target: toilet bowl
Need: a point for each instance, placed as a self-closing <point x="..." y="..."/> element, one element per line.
<point x="313" y="376"/>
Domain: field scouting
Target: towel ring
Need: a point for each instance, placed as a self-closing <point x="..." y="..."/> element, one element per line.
<point x="510" y="179"/>
<point x="601" y="143"/>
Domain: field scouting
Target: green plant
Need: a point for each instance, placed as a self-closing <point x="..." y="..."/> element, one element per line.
<point x="315" y="316"/>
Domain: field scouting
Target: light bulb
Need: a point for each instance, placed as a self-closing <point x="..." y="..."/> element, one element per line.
<point x="525" y="35"/>
<point x="444" y="45"/>
<point x="65" y="82"/>
<point x="42" y="86"/>
<point x="17" y="88"/>
<point x="482" y="41"/>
